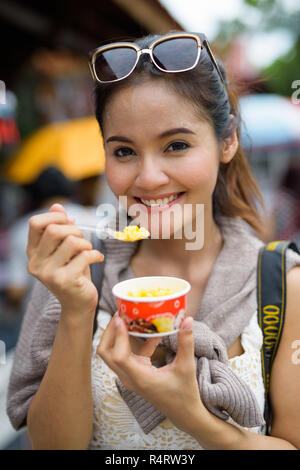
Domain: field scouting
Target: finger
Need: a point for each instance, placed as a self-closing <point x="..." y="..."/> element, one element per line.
<point x="53" y="237"/>
<point x="60" y="208"/>
<point x="149" y="347"/>
<point x="121" y="349"/>
<point x="187" y="324"/>
<point x="185" y="348"/>
<point x="80" y="262"/>
<point x="107" y="339"/>
<point x="68" y="249"/>
<point x="57" y="208"/>
<point x="37" y="225"/>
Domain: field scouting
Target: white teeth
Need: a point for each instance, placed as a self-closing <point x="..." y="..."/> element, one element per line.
<point x="159" y="202"/>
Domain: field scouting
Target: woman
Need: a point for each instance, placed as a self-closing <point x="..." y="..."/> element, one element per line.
<point x="170" y="128"/>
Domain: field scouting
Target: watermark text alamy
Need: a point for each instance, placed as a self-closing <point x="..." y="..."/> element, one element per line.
<point x="179" y="221"/>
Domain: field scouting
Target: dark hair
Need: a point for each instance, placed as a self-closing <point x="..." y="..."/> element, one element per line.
<point x="236" y="192"/>
<point x="50" y="183"/>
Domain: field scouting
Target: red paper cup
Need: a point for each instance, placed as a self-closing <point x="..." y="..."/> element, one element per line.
<point x="152" y="316"/>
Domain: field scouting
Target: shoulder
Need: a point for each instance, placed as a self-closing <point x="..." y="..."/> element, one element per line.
<point x="285" y="377"/>
<point x="291" y="330"/>
<point x="293" y="293"/>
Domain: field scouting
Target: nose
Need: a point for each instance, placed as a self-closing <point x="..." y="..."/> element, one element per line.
<point x="151" y="175"/>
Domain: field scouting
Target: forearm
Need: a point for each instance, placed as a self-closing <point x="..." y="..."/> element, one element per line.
<point x="60" y="415"/>
<point x="213" y="433"/>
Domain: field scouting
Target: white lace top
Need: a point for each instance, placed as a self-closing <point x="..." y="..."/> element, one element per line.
<point x="116" y="428"/>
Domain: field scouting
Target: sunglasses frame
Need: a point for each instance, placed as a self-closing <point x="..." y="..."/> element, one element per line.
<point x="200" y="39"/>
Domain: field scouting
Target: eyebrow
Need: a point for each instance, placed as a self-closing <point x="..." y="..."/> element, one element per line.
<point x="168" y="133"/>
<point x="178" y="130"/>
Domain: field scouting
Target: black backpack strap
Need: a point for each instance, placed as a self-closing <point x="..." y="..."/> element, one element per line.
<point x="271" y="301"/>
<point x="97" y="270"/>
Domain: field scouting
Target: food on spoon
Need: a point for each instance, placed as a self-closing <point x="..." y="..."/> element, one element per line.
<point x="132" y="233"/>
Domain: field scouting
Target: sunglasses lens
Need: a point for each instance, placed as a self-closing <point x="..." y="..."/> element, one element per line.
<point x="115" y="63"/>
<point x="176" y="54"/>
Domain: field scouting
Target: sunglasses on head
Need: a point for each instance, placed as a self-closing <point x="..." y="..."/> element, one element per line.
<point x="173" y="53"/>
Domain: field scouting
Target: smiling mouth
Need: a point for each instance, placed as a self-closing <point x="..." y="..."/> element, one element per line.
<point x="159" y="202"/>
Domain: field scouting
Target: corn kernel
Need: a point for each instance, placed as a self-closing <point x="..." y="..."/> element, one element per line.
<point x="132" y="233"/>
<point x="156" y="292"/>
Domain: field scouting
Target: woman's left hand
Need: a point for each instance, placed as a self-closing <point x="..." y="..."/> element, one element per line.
<point x="172" y="389"/>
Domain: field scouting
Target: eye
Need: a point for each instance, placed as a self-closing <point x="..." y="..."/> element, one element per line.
<point x="123" y="152"/>
<point x="177" y="146"/>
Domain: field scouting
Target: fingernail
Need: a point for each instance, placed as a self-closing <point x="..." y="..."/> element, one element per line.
<point x="56" y="205"/>
<point x="117" y="321"/>
<point x="188" y="324"/>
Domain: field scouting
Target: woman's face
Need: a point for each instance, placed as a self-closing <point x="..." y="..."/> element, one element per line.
<point x="158" y="150"/>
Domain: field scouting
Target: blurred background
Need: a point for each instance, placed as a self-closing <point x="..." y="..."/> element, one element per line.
<point x="50" y="146"/>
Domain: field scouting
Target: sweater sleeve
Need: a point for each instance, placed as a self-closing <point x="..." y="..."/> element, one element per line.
<point x="32" y="352"/>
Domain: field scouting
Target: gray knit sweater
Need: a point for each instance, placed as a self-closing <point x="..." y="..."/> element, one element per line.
<point x="228" y="303"/>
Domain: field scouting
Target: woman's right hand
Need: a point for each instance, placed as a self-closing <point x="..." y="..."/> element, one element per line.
<point x="59" y="256"/>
